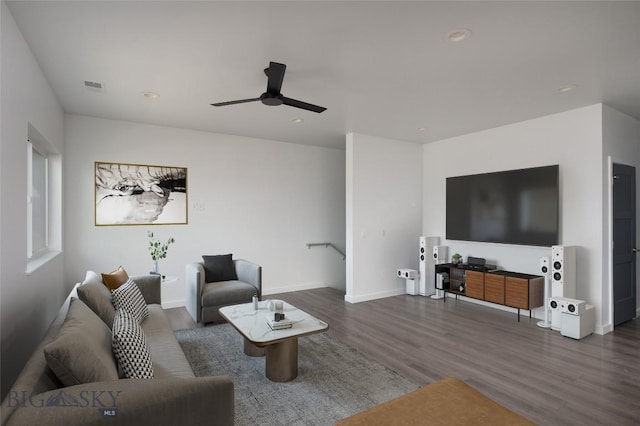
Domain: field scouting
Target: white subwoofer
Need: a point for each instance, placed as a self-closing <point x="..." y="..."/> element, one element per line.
<point x="412" y="286"/>
<point x="579" y="326"/>
<point x="563" y="271"/>
<point x="427" y="266"/>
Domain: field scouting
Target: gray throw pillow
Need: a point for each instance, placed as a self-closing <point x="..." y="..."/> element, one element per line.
<point x="81" y="352"/>
<point x="98" y="297"/>
<point x="130" y="347"/>
<point x="219" y="268"/>
<point x="129" y="297"/>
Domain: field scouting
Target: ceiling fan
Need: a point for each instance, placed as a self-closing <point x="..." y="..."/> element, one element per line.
<point x="273" y="97"/>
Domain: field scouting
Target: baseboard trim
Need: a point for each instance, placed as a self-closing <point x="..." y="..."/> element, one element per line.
<point x="606" y="328"/>
<point x="374" y="296"/>
<point x="173" y="304"/>
<point x="297" y="287"/>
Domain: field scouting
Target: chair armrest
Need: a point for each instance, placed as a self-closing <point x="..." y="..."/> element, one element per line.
<point x="194" y="282"/>
<point x="150" y="287"/>
<point x="250" y="273"/>
<point x="134" y="402"/>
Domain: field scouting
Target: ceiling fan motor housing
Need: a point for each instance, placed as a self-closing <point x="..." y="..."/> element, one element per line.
<point x="271" y="99"/>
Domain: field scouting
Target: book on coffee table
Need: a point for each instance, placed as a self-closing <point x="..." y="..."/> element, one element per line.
<point x="279" y="325"/>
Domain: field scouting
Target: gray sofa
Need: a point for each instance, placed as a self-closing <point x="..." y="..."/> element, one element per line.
<point x="174" y="396"/>
<point x="203" y="299"/>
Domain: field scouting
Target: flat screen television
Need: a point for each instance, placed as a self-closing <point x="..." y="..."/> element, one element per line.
<point x="510" y="207"/>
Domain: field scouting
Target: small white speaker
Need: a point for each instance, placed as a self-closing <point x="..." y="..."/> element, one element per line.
<point x="545" y="264"/>
<point x="407" y="273"/>
<point x="572" y="306"/>
<point x="439" y="254"/>
<point x="427" y="267"/>
<point x="563" y="271"/>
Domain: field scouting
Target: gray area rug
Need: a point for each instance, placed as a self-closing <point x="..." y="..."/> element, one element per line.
<point x="334" y="380"/>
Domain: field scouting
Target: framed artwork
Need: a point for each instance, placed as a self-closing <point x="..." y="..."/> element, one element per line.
<point x="140" y="194"/>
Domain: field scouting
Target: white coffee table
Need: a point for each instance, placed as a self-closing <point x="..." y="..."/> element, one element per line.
<point x="279" y="346"/>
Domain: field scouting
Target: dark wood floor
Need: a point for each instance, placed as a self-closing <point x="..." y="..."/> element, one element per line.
<point x="538" y="373"/>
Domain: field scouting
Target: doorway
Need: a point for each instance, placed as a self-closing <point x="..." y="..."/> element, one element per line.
<point x="624" y="243"/>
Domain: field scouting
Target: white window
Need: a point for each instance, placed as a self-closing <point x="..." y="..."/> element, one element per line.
<point x="37" y="212"/>
<point x="44" y="201"/>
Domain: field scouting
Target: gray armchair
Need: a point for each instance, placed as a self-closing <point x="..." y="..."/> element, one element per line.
<point x="204" y="299"/>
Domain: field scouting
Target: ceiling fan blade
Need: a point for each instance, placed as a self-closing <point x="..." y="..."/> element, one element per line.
<point x="241" y="101"/>
<point x="303" y="105"/>
<point x="275" y="75"/>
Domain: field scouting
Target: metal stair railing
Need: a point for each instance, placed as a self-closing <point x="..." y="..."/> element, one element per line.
<point x="327" y="245"/>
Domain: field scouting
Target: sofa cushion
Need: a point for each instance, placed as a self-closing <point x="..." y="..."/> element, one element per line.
<point x="115" y="279"/>
<point x="93" y="277"/>
<point x="219" y="268"/>
<point x="81" y="352"/>
<point x="130" y="347"/>
<point x="98" y="297"/>
<point x="167" y="355"/>
<point x="227" y="293"/>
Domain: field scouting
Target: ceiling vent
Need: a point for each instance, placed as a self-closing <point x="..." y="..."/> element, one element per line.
<point x="94" y="86"/>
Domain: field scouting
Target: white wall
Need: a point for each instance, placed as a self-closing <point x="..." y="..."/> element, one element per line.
<point x="262" y="200"/>
<point x="29" y="302"/>
<point x="621" y="140"/>
<point x="573" y="140"/>
<point x="384" y="210"/>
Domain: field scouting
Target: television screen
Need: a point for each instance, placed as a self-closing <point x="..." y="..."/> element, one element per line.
<point x="510" y="207"/>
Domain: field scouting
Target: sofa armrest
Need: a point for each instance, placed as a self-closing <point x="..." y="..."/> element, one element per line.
<point x="150" y="288"/>
<point x="250" y="273"/>
<point x="194" y="281"/>
<point x="132" y="402"/>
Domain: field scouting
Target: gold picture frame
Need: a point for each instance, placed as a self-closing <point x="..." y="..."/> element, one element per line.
<point x="140" y="194"/>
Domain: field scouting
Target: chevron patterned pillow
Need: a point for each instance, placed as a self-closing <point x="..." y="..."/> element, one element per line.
<point x="129" y="298"/>
<point x="130" y="347"/>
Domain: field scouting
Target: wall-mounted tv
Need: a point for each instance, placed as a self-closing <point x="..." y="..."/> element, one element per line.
<point x="510" y="207"/>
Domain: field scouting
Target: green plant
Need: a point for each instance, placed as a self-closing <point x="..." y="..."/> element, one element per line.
<point x="157" y="249"/>
<point x="456" y="257"/>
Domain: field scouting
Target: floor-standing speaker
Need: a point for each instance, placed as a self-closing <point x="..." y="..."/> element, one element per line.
<point x="554" y="304"/>
<point x="544" y="269"/>
<point x="563" y="271"/>
<point x="427" y="266"/>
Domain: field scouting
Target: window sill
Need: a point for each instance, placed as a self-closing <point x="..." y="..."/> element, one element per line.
<point x="34" y="264"/>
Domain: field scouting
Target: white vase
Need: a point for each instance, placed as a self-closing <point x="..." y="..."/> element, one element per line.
<point x="155" y="270"/>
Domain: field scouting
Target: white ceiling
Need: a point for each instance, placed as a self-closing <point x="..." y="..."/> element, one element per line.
<point x="381" y="68"/>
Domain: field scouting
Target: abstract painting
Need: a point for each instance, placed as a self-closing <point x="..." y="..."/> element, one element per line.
<point x="139" y="194"/>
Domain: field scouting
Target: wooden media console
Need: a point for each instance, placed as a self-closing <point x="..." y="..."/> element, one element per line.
<point x="513" y="289"/>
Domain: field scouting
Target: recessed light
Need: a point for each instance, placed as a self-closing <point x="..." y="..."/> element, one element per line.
<point x="150" y="95"/>
<point x="567" y="88"/>
<point x="422" y="129"/>
<point x="297" y="120"/>
<point x="458" y="35"/>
